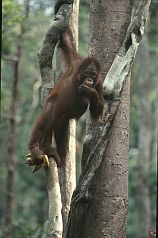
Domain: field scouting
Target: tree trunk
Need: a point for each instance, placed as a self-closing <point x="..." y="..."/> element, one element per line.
<point x="45" y="57"/>
<point x="99" y="202"/>
<point x="67" y="174"/>
<point x="107" y="213"/>
<point x="12" y="151"/>
<point x="144" y="142"/>
<point x="54" y="201"/>
<point x="12" y="155"/>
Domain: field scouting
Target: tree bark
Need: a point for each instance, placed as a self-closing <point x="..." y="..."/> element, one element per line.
<point x="67" y="174"/>
<point x="54" y="201"/>
<point x="45" y="57"/>
<point x="99" y="203"/>
<point x="12" y="155"/>
<point x="110" y="197"/>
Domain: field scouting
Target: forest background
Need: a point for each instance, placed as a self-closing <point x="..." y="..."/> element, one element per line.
<point x="30" y="190"/>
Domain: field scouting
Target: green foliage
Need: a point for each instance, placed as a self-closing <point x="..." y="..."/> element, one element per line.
<point x="30" y="189"/>
<point x="133" y="220"/>
<point x="153" y="30"/>
<point x="133" y="224"/>
<point x="133" y="212"/>
<point x="153" y="190"/>
<point x="11" y="16"/>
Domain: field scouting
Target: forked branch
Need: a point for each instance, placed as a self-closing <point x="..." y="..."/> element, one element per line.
<point x="45" y="57"/>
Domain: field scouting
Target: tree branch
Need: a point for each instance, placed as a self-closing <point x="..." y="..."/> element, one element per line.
<point x="54" y="200"/>
<point x="123" y="61"/>
<point x="50" y="40"/>
<point x="10" y="58"/>
<point x="45" y="57"/>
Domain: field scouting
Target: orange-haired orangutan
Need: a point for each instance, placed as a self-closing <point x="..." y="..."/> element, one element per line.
<point x="77" y="88"/>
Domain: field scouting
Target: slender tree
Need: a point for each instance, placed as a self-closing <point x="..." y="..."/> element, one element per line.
<point x="45" y="57"/>
<point x="12" y="154"/>
<point x="67" y="174"/>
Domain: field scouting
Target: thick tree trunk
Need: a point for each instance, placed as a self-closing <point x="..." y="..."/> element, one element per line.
<point x="144" y="142"/>
<point x="12" y="142"/>
<point x="108" y="25"/>
<point x="99" y="202"/>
